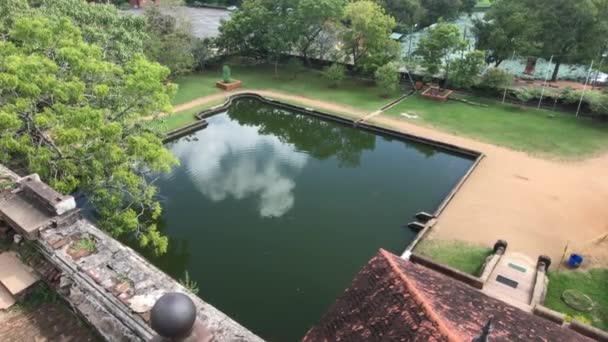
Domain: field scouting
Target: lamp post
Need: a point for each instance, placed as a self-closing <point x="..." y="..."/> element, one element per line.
<point x="409" y="49"/>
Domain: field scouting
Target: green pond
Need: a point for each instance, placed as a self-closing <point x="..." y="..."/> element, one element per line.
<point x="273" y="212"/>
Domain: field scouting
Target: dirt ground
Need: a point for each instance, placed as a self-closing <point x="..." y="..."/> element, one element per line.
<point x="539" y="206"/>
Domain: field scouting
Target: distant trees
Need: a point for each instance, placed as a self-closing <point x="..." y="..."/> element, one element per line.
<point x="406" y="12"/>
<point x="570" y="31"/>
<point x="303" y="27"/>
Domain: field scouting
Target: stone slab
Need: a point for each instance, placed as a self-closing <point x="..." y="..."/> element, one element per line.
<point x="14" y="275"/>
<point x="23" y="215"/>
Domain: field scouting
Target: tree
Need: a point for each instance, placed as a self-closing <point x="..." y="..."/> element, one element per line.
<point x="437" y="47"/>
<point x="334" y="74"/>
<point x="495" y="78"/>
<point x="569" y="30"/>
<point x="366" y="37"/>
<point x="505" y="29"/>
<point x="261" y="28"/>
<point x="170" y="41"/>
<point x="76" y="119"/>
<point x="313" y="18"/>
<point x="467" y="69"/>
<point x="387" y="78"/>
<point x="120" y="37"/>
<point x="436" y="9"/>
<point x="405" y="12"/>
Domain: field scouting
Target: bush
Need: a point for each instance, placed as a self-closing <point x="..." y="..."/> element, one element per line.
<point x="387" y="78"/>
<point x="466" y="69"/>
<point x="334" y="74"/>
<point x="496" y="78"/>
<point x="569" y="95"/>
<point x="226" y="74"/>
<point x="598" y="102"/>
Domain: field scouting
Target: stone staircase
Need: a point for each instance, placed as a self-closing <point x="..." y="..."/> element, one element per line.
<point x="15" y="278"/>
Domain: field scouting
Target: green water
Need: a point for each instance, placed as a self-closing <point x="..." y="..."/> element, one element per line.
<point x="273" y="212"/>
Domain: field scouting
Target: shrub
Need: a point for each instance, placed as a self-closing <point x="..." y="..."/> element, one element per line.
<point x="466" y="69"/>
<point x="598" y="102"/>
<point x="387" y="78"/>
<point x="496" y="78"/>
<point x="569" y="95"/>
<point x="226" y="74"/>
<point x="334" y="74"/>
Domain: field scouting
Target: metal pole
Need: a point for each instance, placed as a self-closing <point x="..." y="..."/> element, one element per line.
<point x="504" y="96"/>
<point x="584" y="88"/>
<point x="409" y="49"/>
<point x="542" y="92"/>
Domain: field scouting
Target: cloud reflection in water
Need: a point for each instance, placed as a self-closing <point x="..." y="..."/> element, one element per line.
<point x="225" y="163"/>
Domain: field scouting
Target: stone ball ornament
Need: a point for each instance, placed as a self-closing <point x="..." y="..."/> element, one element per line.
<point x="173" y="315"/>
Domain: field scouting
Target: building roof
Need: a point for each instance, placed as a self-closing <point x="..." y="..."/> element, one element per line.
<point x="392" y="299"/>
<point x="396" y="36"/>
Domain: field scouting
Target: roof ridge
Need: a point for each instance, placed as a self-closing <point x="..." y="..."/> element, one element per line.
<point x="419" y="297"/>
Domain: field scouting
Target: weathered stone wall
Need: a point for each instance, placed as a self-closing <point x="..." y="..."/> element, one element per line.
<point x="112" y="287"/>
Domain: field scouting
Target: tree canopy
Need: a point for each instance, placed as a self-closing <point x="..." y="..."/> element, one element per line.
<point x="437" y="47"/>
<point x="568" y="31"/>
<point x="366" y="36"/>
<point x="73" y="112"/>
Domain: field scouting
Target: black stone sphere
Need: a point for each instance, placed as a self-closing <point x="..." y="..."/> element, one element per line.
<point x="173" y="315"/>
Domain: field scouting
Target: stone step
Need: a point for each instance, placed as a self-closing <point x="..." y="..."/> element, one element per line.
<point x="14" y="275"/>
<point x="6" y="298"/>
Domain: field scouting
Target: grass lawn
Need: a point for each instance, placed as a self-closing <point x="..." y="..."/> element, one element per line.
<point x="183" y="118"/>
<point x="296" y="81"/>
<point x="524" y="129"/>
<point x="593" y="283"/>
<point x="463" y="256"/>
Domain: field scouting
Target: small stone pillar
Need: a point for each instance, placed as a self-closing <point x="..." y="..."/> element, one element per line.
<point x="173" y="317"/>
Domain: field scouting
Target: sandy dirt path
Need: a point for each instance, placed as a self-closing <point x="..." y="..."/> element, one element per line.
<point x="306" y="101"/>
<point x="539" y="206"/>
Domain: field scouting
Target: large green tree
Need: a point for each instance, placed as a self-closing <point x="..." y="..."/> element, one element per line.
<point x="438" y="47"/>
<point x="170" y="41"/>
<point x="72" y="114"/>
<point x="366" y="36"/>
<point x="261" y="28"/>
<point x="119" y="36"/>
<point x="312" y="19"/>
<point x="505" y="29"/>
<point x="570" y="31"/>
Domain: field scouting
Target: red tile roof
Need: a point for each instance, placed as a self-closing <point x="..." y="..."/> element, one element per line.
<point x="392" y="299"/>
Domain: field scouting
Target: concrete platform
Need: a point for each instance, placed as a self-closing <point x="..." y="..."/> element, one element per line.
<point x="14" y="275"/>
<point x="25" y="217"/>
<point x="517" y="270"/>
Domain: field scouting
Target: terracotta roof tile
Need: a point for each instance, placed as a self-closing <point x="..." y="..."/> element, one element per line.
<point x="392" y="299"/>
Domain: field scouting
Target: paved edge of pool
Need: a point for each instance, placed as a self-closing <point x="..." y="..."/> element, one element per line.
<point x="201" y="123"/>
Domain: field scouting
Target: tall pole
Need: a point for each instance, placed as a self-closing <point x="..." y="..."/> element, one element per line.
<point x="409" y="49"/>
<point x="584" y="88"/>
<point x="542" y="92"/>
